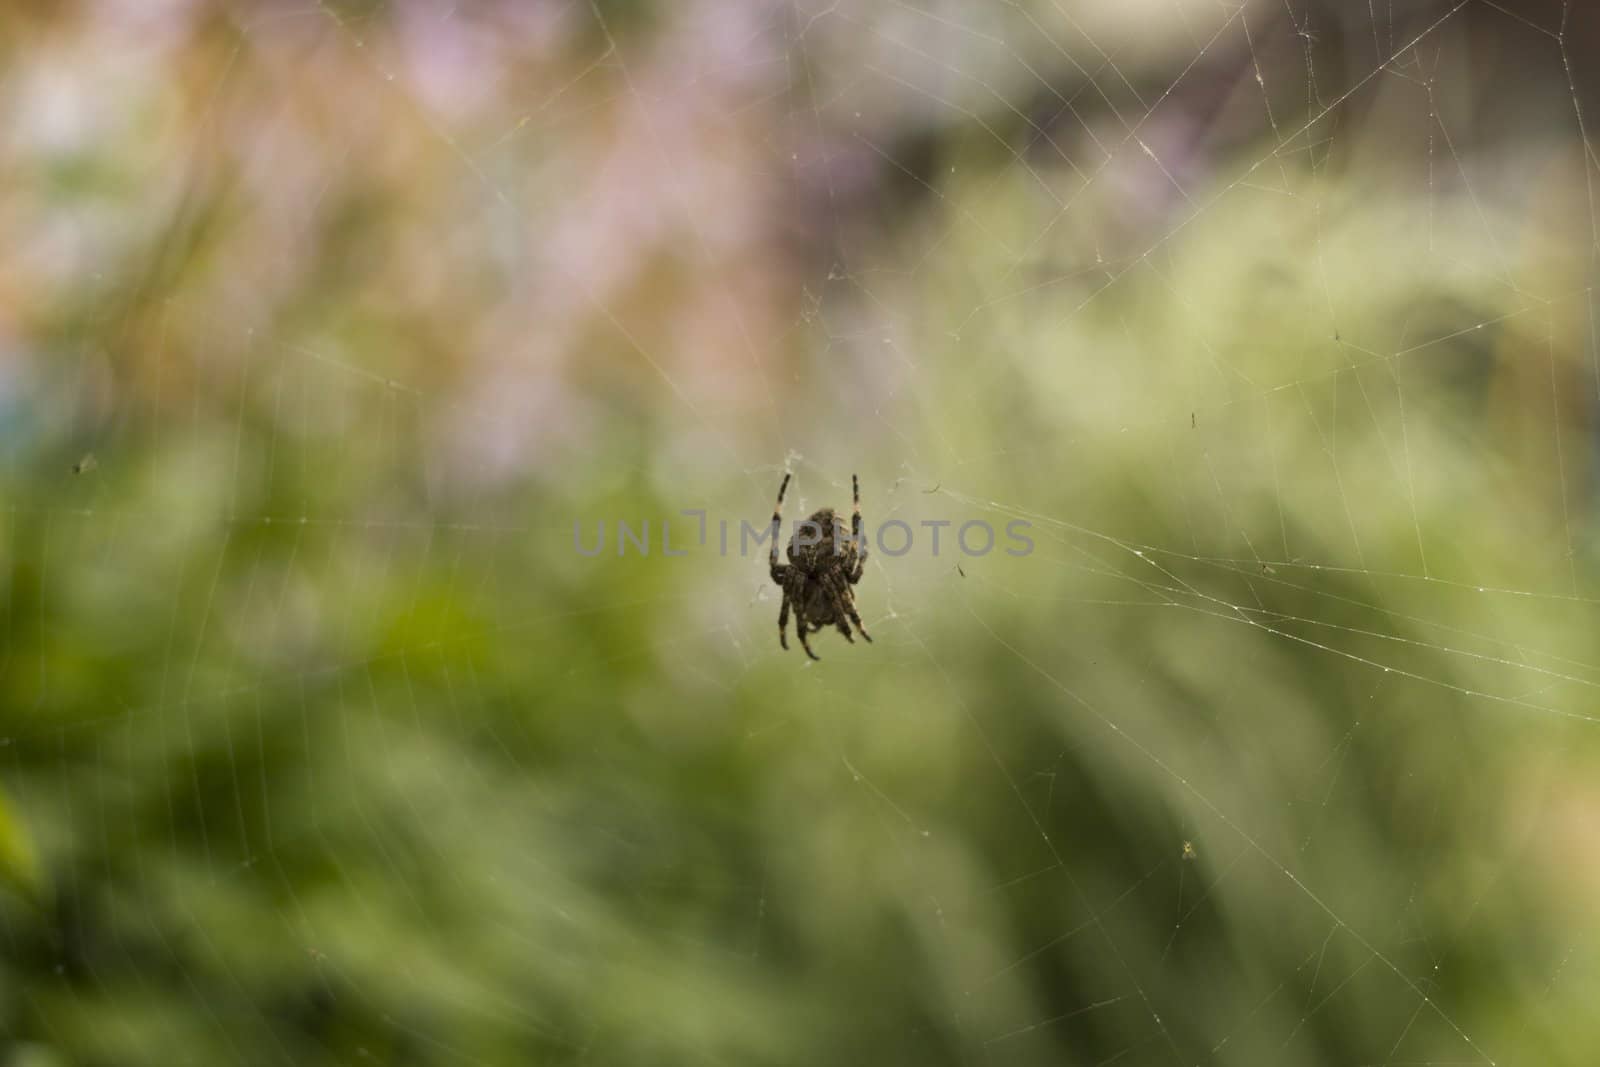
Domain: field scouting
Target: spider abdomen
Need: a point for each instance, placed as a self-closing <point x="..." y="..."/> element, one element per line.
<point x="819" y="605"/>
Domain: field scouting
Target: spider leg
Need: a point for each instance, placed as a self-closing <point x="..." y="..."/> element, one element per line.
<point x="855" y="531"/>
<point x="793" y="592"/>
<point x="783" y="622"/>
<point x="778" y="569"/>
<point x="850" y="610"/>
<point x="845" y="607"/>
<point x="844" y="628"/>
<point x="800" y="627"/>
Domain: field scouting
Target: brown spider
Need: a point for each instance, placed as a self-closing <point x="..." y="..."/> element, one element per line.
<point x="819" y="579"/>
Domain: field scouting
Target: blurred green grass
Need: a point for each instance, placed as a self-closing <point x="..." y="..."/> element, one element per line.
<point x="323" y="745"/>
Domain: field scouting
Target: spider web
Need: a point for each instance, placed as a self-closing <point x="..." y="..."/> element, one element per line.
<point x="1273" y="321"/>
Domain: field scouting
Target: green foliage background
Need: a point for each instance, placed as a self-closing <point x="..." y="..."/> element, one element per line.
<point x="322" y="325"/>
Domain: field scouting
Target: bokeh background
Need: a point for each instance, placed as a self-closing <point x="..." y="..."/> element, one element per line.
<point x="322" y="325"/>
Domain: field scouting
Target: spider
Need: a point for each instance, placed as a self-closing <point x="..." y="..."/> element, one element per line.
<point x="818" y="581"/>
